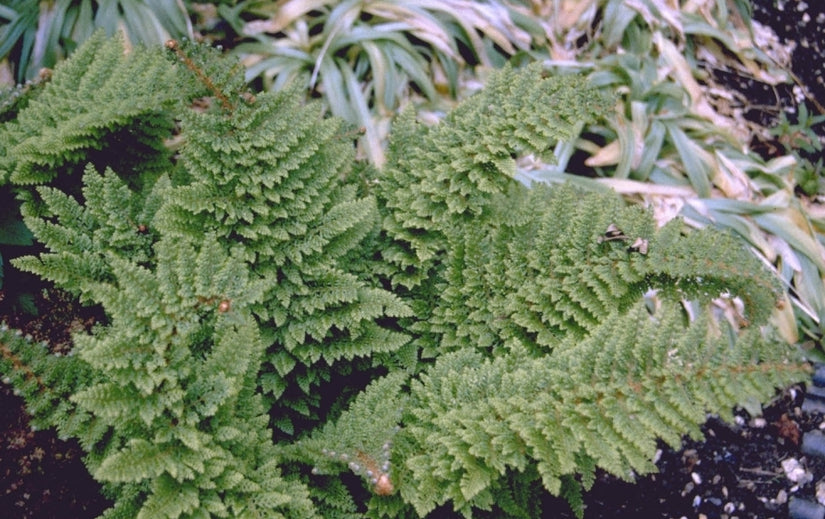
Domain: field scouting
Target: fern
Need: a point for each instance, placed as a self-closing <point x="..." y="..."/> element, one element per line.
<point x="548" y="361"/>
<point x="448" y="174"/>
<point x="181" y="356"/>
<point x="288" y="213"/>
<point x="46" y="381"/>
<point x="287" y="216"/>
<point x="82" y="114"/>
<point x="602" y="402"/>
<point x="113" y="220"/>
<point x="280" y="317"/>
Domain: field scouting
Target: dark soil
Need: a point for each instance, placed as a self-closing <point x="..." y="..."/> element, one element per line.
<point x="42" y="476"/>
<point x="803" y="24"/>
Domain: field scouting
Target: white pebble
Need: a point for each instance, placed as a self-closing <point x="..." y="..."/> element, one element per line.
<point x="696" y="478"/>
<point x="795" y="472"/>
<point x="657" y="456"/>
<point x="820" y="492"/>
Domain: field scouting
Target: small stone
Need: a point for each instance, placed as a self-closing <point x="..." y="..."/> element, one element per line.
<point x="795" y="472"/>
<point x="813" y="444"/>
<point x="696" y="478"/>
<point x="729" y="507"/>
<point x="820" y="492"/>
<point x="816" y="391"/>
<point x="814" y="400"/>
<point x="781" y="497"/>
<point x="759" y="422"/>
<point x="804" y="509"/>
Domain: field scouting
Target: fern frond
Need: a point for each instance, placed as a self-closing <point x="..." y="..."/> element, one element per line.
<point x="590" y="399"/>
<point x="265" y="180"/>
<point x="91" y="97"/>
<point x="438" y="176"/>
<point x="45" y="381"/>
<point x="542" y="279"/>
<point x="112" y="220"/>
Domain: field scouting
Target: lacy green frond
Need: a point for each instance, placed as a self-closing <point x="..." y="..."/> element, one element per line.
<point x="608" y="398"/>
<point x="560" y="272"/>
<point x="266" y="179"/>
<point x="111" y="219"/>
<point x="559" y="367"/>
<point x="361" y="441"/>
<point x="102" y="105"/>
<point x="438" y="176"/>
<point x="185" y="376"/>
<point x="333" y="499"/>
<point x="45" y="381"/>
